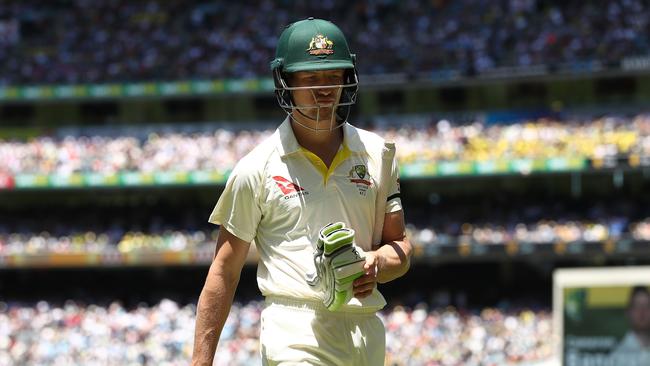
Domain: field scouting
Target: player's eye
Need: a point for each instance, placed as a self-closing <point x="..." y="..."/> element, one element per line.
<point x="337" y="79"/>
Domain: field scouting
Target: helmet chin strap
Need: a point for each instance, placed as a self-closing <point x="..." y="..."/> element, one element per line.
<point x="317" y="119"/>
<point x="318" y="107"/>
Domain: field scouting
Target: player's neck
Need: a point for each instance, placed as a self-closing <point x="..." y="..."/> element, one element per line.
<point x="324" y="144"/>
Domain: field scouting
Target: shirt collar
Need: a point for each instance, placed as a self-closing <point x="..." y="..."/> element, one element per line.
<point x="352" y="139"/>
<point x="289" y="145"/>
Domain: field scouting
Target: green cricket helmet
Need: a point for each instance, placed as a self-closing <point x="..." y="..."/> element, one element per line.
<point x="315" y="45"/>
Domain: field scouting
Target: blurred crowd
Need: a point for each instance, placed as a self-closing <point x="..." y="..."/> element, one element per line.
<point x="493" y="219"/>
<point x="218" y="151"/>
<point x="79" y="41"/>
<point x="75" y="334"/>
<point x="595" y="138"/>
<point x="506" y="218"/>
<point x="446" y="337"/>
<point x="92" y="242"/>
<point x="602" y="138"/>
<point x="162" y="334"/>
<point x="99" y="229"/>
<point x="544" y="232"/>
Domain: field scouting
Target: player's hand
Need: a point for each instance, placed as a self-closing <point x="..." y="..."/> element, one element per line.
<point x="364" y="285"/>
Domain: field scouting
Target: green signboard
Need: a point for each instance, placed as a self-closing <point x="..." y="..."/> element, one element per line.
<point x="411" y="170"/>
<point x="143" y="89"/>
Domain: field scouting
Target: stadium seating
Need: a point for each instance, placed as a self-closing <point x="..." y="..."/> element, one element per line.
<point x="117" y="41"/>
<point x="609" y="137"/>
<point x="162" y="334"/>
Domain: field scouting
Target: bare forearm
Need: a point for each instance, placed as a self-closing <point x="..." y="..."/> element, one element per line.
<point x="212" y="312"/>
<point x="394" y="260"/>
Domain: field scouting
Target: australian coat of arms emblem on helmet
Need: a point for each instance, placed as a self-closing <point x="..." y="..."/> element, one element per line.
<point x="320" y="45"/>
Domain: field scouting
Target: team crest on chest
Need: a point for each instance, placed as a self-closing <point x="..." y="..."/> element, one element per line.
<point x="358" y="175"/>
<point x="360" y="170"/>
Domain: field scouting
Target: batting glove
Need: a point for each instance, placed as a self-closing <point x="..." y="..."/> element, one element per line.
<point x="338" y="264"/>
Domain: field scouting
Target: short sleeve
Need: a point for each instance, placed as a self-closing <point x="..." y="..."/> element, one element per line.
<point x="394" y="201"/>
<point x="238" y="209"/>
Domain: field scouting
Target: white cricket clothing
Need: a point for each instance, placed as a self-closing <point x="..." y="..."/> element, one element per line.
<point x="280" y="195"/>
<point x="306" y="333"/>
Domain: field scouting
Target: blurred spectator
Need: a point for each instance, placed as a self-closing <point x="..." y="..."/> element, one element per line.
<point x="169" y="152"/>
<point x="441" y="337"/>
<point x="599" y="139"/>
<point x="162" y="334"/>
<point x="490" y="220"/>
<point x="81" y="41"/>
<point x="641" y="230"/>
<point x="543" y="232"/>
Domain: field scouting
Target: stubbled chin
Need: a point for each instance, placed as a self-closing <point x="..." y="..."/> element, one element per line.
<point x="325" y="115"/>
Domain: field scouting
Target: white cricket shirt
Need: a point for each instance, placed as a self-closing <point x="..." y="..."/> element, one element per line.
<point x="280" y="195"/>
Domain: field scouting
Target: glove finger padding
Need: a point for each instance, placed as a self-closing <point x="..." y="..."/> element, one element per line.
<point x="342" y="265"/>
<point x="314" y="278"/>
<point x="326" y="230"/>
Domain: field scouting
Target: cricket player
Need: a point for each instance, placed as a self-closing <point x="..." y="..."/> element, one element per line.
<point x="320" y="200"/>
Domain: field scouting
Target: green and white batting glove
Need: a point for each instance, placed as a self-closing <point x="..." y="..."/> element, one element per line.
<point x="314" y="278"/>
<point x="338" y="264"/>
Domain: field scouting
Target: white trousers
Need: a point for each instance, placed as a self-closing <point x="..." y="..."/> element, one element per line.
<point x="296" y="332"/>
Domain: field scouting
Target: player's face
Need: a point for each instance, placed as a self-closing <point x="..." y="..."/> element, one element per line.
<point x="639" y="312"/>
<point x="317" y="103"/>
